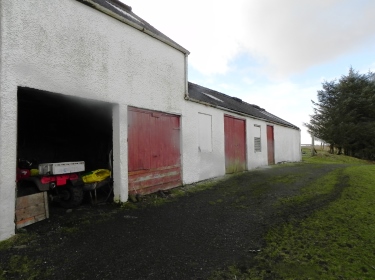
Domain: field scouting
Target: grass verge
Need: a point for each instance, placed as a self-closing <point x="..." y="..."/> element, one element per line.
<point x="22" y="267"/>
<point x="333" y="243"/>
<point x="321" y="187"/>
<point x="324" y="157"/>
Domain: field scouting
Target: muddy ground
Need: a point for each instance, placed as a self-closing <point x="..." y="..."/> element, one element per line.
<point x="188" y="237"/>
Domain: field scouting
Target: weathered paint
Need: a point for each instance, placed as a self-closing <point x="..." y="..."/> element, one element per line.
<point x="154" y="151"/>
<point x="270" y="145"/>
<point x="235" y="144"/>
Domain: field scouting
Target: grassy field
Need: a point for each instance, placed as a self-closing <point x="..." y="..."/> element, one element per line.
<point x="336" y="242"/>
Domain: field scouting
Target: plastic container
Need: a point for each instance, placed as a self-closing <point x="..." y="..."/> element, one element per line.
<point x="96" y="176"/>
<point x="34" y="172"/>
<point x="61" y="168"/>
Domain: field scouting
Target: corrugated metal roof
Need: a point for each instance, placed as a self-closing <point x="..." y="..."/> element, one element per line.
<point x="223" y="101"/>
<point x="124" y="13"/>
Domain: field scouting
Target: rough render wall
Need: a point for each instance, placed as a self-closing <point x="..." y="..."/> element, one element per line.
<point x="287" y="144"/>
<point x="198" y="166"/>
<point x="66" y="47"/>
<point x="256" y="159"/>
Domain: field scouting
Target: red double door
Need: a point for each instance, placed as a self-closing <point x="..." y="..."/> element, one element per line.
<point x="235" y="144"/>
<point x="153" y="151"/>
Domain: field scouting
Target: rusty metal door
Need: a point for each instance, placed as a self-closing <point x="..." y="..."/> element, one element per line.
<point x="270" y="145"/>
<point x="235" y="144"/>
<point x="153" y="151"/>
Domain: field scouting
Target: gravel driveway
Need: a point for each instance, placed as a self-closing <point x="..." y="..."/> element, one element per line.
<point x="187" y="237"/>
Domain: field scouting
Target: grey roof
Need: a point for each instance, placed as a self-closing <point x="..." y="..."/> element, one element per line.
<point x="223" y="101"/>
<point x="124" y="13"/>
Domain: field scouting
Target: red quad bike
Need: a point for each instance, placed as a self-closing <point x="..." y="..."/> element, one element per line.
<point x="61" y="180"/>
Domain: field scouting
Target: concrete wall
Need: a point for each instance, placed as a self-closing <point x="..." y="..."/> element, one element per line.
<point x="66" y="47"/>
<point x="287" y="144"/>
<point x="256" y="159"/>
<point x="200" y="165"/>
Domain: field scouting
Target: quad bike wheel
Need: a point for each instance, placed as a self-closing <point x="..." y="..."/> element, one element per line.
<point x="70" y="196"/>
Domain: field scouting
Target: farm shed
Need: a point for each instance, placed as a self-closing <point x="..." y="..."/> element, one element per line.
<point x="233" y="135"/>
<point x="71" y="71"/>
<point x="82" y="78"/>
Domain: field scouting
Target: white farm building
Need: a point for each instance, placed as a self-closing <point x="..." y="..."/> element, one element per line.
<point x="84" y="79"/>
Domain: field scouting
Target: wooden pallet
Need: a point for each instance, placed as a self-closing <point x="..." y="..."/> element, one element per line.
<point x="31" y="209"/>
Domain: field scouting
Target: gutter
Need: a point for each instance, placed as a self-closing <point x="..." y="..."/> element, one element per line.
<point x="133" y="24"/>
<point x="188" y="98"/>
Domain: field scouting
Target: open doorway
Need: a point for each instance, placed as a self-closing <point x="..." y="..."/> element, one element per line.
<point x="56" y="128"/>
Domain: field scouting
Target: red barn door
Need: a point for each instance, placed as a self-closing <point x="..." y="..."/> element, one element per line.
<point x="153" y="151"/>
<point x="235" y="144"/>
<point x="270" y="145"/>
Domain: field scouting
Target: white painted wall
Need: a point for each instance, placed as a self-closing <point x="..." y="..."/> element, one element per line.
<point x="256" y="159"/>
<point x="200" y="165"/>
<point x="67" y="47"/>
<point x="287" y="144"/>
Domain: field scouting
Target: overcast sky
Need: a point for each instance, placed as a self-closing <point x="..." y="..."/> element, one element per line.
<point x="268" y="52"/>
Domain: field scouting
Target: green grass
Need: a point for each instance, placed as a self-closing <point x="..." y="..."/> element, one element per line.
<point x="69" y="230"/>
<point x="16" y="240"/>
<point x="335" y="242"/>
<point x="284" y="179"/>
<point x="324" y="157"/>
<point x="22" y="267"/>
<point x="19" y="266"/>
<point x="322" y="186"/>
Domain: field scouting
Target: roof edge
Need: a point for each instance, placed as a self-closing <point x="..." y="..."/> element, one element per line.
<point x="188" y="98"/>
<point x="108" y="12"/>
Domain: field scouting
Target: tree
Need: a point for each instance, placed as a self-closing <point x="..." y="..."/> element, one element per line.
<point x="344" y="115"/>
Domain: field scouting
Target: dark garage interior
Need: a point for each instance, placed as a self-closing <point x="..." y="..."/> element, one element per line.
<point x="58" y="128"/>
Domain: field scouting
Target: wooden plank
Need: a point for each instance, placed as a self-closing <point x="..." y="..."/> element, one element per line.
<point x="31" y="211"/>
<point x="178" y="166"/>
<point x="156" y="188"/>
<point x="30" y="221"/>
<point x="154" y="177"/>
<point x="27" y="200"/>
<point x="145" y="183"/>
<point x="46" y="206"/>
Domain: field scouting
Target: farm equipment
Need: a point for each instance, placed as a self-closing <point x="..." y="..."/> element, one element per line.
<point x="62" y="180"/>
